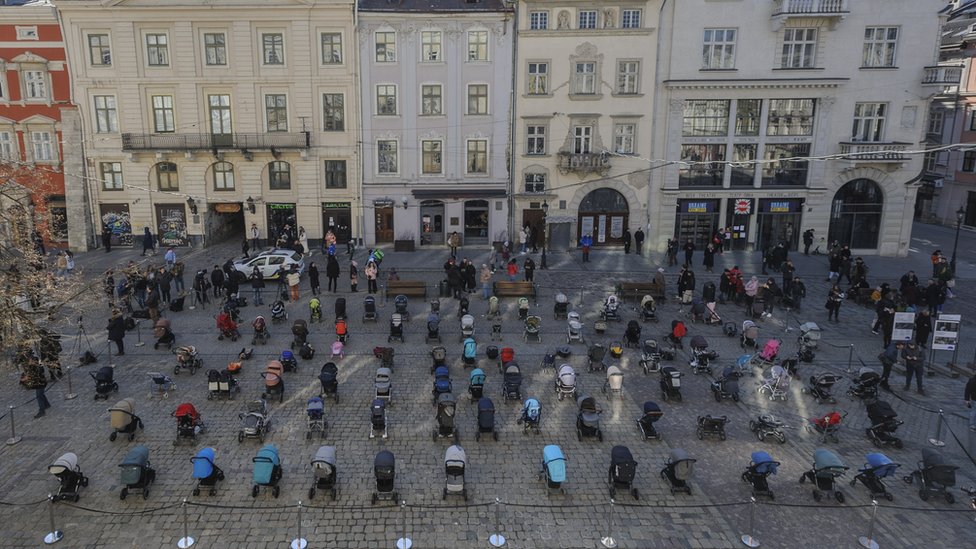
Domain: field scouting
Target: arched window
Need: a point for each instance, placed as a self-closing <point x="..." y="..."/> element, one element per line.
<point x="223" y="176"/>
<point x="167" y="177"/>
<point x="604" y="200"/>
<point x="855" y="214"/>
<point x="279" y="176"/>
<point x="603" y="214"/>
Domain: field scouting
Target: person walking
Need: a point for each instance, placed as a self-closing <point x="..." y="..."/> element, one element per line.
<point x="835" y="262"/>
<point x="798" y="292"/>
<point x="353" y="276"/>
<point x="332" y="272"/>
<point x="294" y="279"/>
<point x="107" y="238"/>
<point x="257" y="285"/>
<point x="913" y="366"/>
<point x="626" y="238"/>
<point x="969" y="395"/>
<point x="148" y="243"/>
<point x="585" y="243"/>
<point x="689" y="248"/>
<point x="116" y="331"/>
<point x="245" y="248"/>
<point x="807" y="241"/>
<point x="834" y="299"/>
<point x="170" y="256"/>
<point x="523" y="240"/>
<point x="485" y="281"/>
<point x="255" y="237"/>
<point x="372" y="271"/>
<point x="888" y="358"/>
<point x="923" y="328"/>
<point x="454" y="241"/>
<point x="528" y="267"/>
<point x="934" y="297"/>
<point x="313" y="277"/>
<point x="217" y="279"/>
<point x="638" y="240"/>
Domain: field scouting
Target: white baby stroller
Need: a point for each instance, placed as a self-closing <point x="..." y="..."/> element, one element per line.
<point x="776" y="384"/>
<point x="454" y="462"/>
<point x="648" y="309"/>
<point x="383" y="383"/>
<point x="565" y="382"/>
<point x="611" y="309"/>
<point x="523" y="308"/>
<point x="467" y="327"/>
<point x="808" y="341"/>
<point x="494" y="311"/>
<point x="650" y="356"/>
<point x="574" y="328"/>
<point x="614" y="385"/>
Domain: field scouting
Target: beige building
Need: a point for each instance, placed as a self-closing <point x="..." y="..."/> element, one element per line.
<point x="203" y="118"/>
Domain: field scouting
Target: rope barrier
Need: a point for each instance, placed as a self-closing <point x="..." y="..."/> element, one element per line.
<point x="124" y="513"/>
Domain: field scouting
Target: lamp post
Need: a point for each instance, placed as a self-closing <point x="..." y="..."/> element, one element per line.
<point x="960" y="214"/>
<point x="545" y="235"/>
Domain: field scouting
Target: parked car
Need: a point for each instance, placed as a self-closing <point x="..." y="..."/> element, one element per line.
<point x="270" y="261"/>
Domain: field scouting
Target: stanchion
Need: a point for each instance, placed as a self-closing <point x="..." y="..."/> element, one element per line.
<point x="497" y="539"/>
<point x="382" y="290"/>
<point x="748" y="539"/>
<point x="581" y="296"/>
<point x="186" y="540"/>
<point x="404" y="542"/>
<point x="850" y="358"/>
<point x="608" y="540"/>
<point x="140" y="342"/>
<point x="299" y="542"/>
<point x="54" y="535"/>
<point x="868" y="541"/>
<point x="71" y="394"/>
<point x="14" y="439"/>
<point x="937" y="441"/>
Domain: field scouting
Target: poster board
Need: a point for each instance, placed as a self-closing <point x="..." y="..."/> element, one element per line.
<point x="904" y="327"/>
<point x="946" y="334"/>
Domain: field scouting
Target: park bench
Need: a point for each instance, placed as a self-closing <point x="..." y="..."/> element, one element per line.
<point x="639" y="289"/>
<point x="514" y="289"/>
<point x="409" y="288"/>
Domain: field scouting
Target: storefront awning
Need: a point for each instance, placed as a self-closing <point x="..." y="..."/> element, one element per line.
<point x="458" y="193"/>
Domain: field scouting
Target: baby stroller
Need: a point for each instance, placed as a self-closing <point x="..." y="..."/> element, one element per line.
<point x="315" y="412"/>
<point x="652" y="413"/>
<point x="163" y="334"/>
<point x="434" y="328"/>
<point x="808" y="341"/>
<point x="467" y="327"/>
<point x="329" y="379"/>
<point x="384" y="469"/>
<point x="561" y="308"/>
<point x="757" y="474"/>
<point x="678" y="470"/>
<point x="614" y="385"/>
<point x="611" y="309"/>
<point x="730" y="329"/>
<point x="476" y="384"/>
<point x="648" y="309"/>
<point x="727" y="386"/>
<point x="650" y="359"/>
<point x="711" y="315"/>
<point x="188" y="422"/>
<point x="288" y="361"/>
<point x="254" y="421"/>
<point x="820" y="385"/>
<point x="377" y="418"/>
<point x="496" y="329"/>
<point x="278" y="313"/>
<point x="445" y="417"/>
<point x="623" y="469"/>
<point x="385" y="354"/>
<point x="565" y="382"/>
<point x="442" y="383"/>
<point x="507" y="355"/>
<point x="884" y="423"/>
<point x="531" y="416"/>
<point x="711" y="426"/>
<point x="454" y="461"/>
<point x="678" y="332"/>
<point x="486" y="418"/>
<point x="123" y="419"/>
<point x="698" y="310"/>
<point x="383" y="383"/>
<point x="523" y="308"/>
<point x="463" y="306"/>
<point x="554" y="469"/>
<point x="299" y="329"/>
<point x="750" y="335"/>
<point x="776" y="384"/>
<point x="315" y="309"/>
<point x="512" y="382"/>
<point x="767" y="426"/>
<point x="400" y="303"/>
<point x="532" y="327"/>
<point x="267" y="471"/>
<point x="324" y="471"/>
<point x="160" y="384"/>
<point x="342" y="330"/>
<point x="574" y="328"/>
<point x="104" y="382"/>
<point x="493" y="310"/>
<point x="438" y="357"/>
<point x="766" y="357"/>
<point x="186" y="357"/>
<point x="206" y="472"/>
<point x="588" y="418"/>
<point x="274" y="384"/>
<point x="136" y="472"/>
<point x="69" y="476"/>
<point x="827" y="426"/>
<point x="396" y="328"/>
<point x="670" y="383"/>
<point x="632" y="334"/>
<point x="826" y="468"/>
<point x="369" y="309"/>
<point x="261" y="333"/>
<point x="596" y="355"/>
<point x="866" y="385"/>
<point x="470" y="354"/>
<point x="877" y="467"/>
<point x="701" y="355"/>
<point x="227" y="327"/>
<point x="221" y="385"/>
<point x="934" y="476"/>
<point x="340" y="308"/>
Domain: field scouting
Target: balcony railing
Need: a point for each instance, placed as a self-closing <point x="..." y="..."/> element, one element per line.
<point x="874" y="152"/>
<point x="207" y="141"/>
<point x="943" y="75"/>
<point x="815" y="8"/>
<point x="583" y="163"/>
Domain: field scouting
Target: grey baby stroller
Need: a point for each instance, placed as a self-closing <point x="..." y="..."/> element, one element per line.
<point x="433" y="328"/>
<point x="623" y="469"/>
<point x="384" y="470"/>
<point x="727" y="386"/>
<point x="454" y="462"/>
<point x="565" y="382"/>
<point x="750" y="335"/>
<point x="934" y="476"/>
<point x="757" y="474"/>
<point x="324" y="472"/>
<point x="136" y="472"/>
<point x="533" y="325"/>
<point x="826" y="468"/>
<point x="709" y="425"/>
<point x="377" y="418"/>
<point x="670" y="383"/>
<point x="808" y="341"/>
<point x="678" y="470"/>
<point x="652" y="414"/>
<point x="650" y="360"/>
<point x="611" y="309"/>
<point x="446" y="421"/>
<point x="876" y="467"/>
<point x="561" y="308"/>
<point x="396" y="328"/>
<point x="574" y="328"/>
<point x="69" y="474"/>
<point x="596" y="355"/>
<point x="648" y="309"/>
<point x="486" y="418"/>
<point x="254" y="421"/>
<point x="467" y="327"/>
<point x="383" y="384"/>
<point x="512" y="382"/>
<point x="588" y="418"/>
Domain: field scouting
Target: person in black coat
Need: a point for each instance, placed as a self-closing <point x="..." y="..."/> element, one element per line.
<point x="709" y="258"/>
<point x="217" y="278"/>
<point x="313" y="278"/>
<point x="923" y="328"/>
<point x="116" y="331"/>
<point x="934" y="297"/>
<point x="686" y="281"/>
<point x="639" y="240"/>
<point x="257" y="285"/>
<point x="626" y="238"/>
<point x="529" y="269"/>
<point x="689" y="251"/>
<point x="455" y="280"/>
<point x="164" y="280"/>
<point x="148" y="242"/>
<point x="470" y="275"/>
<point x="332" y="272"/>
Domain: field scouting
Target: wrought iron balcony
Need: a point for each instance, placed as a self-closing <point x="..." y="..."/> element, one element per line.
<point x="584" y="163"/>
<point x="207" y="141"/>
<point x="942" y="75"/>
<point x="834" y="10"/>
<point x="874" y="152"/>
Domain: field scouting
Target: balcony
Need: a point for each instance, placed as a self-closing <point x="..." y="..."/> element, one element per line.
<point x="874" y="152"/>
<point x="942" y="76"/>
<point x="215" y="142"/>
<point x="834" y="10"/>
<point x="584" y="163"/>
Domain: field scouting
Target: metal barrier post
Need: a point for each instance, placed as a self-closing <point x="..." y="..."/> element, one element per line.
<point x="14" y="439"/>
<point x="608" y="541"/>
<point x="748" y="539"/>
<point x="71" y="394"/>
<point x="186" y="540"/>
<point x="404" y="542"/>
<point x="299" y="542"/>
<point x="868" y="541"/>
<point x="496" y="539"/>
<point x="140" y="342"/>
<point x="581" y="296"/>
<point x="850" y="357"/>
<point x="937" y="441"/>
<point x="54" y="535"/>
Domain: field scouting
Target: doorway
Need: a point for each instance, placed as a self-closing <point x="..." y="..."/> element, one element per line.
<point x="225" y="221"/>
<point x="171" y="224"/>
<point x="475" y="222"/>
<point x="603" y="214"/>
<point x="533" y="218"/>
<point x="778" y="221"/>
<point x="337" y="217"/>
<point x="431" y="222"/>
<point x="384" y="224"/>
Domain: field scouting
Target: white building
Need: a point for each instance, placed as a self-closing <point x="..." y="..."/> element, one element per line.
<point x="436" y="97"/>
<point x="202" y="118"/>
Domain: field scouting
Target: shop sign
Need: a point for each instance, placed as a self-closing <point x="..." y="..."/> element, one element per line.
<point x="743" y="206"/>
<point x="703" y="206"/>
<point x="232" y="207"/>
<point x="281" y="206"/>
<point x="777" y="205"/>
<point x="616" y="226"/>
<point x="335" y="205"/>
<point x="383" y="203"/>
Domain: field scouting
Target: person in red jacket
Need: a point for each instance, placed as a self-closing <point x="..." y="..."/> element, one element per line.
<point x="512" y="269"/>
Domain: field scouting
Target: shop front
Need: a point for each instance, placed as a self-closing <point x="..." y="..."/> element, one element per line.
<point x="476" y="222"/>
<point x="282" y="221"/>
<point x="697" y="220"/>
<point x="337" y="217"/>
<point x="738" y="217"/>
<point x="431" y="223"/>
<point x="779" y="220"/>
<point x="171" y="225"/>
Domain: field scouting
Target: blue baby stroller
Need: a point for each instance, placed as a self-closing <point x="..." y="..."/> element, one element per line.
<point x="433" y="328"/>
<point x="324" y="471"/>
<point x="554" y="469"/>
<point x="476" y="384"/>
<point x="288" y="361"/>
<point x="877" y="467"/>
<point x="315" y="410"/>
<point x="206" y="472"/>
<point x="470" y="355"/>
<point x="531" y="416"/>
<point x="826" y="468"/>
<point x="136" y="472"/>
<point x="760" y="467"/>
<point x="267" y="471"/>
<point x="652" y="413"/>
<point x="384" y="469"/>
<point x="442" y="382"/>
<point x="486" y="418"/>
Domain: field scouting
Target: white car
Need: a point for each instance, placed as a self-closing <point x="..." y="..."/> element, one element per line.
<point x="269" y="262"/>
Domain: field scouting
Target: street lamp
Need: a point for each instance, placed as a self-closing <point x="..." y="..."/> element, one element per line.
<point x="960" y="214"/>
<point x="545" y="234"/>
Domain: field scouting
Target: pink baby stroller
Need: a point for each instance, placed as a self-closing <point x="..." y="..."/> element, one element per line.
<point x="767" y="356"/>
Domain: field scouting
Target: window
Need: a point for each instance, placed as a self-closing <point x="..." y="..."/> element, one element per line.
<point x="215" y="48"/>
<point x="477" y="157"/>
<point x="99" y="52"/>
<point x="743" y="167"/>
<point x="969" y="161"/>
<point x="157" y="50"/>
<point x="333" y="112"/>
<point x="538" y="79"/>
<point x="430" y="99"/>
<point x="705" y="117"/>
<point x="932" y="160"/>
<point x="869" y="119"/>
<point x="747" y="116"/>
<point x="477" y="45"/>
<point x="718" y="49"/>
<point x="583" y="139"/>
<point x="111" y="176"/>
<point x="628" y="74"/>
<point x="538" y="20"/>
<point x="535" y="139"/>
<point x="223" y="176"/>
<point x="387" y="162"/>
<point x="42" y="146"/>
<point x="477" y="98"/>
<point x="623" y="138"/>
<point x="879" y="46"/>
<point x="331" y="48"/>
<point x="430" y="46"/>
<point x="335" y="174"/>
<point x="35" y="84"/>
<point x="386" y="100"/>
<point x="106" y="115"/>
<point x="790" y="117"/>
<point x="936" y="120"/>
<point x="785" y="172"/>
<point x="585" y="78"/>
<point x="972" y="121"/>
<point x="386" y="47"/>
<point x="630" y="19"/>
<point x="799" y="46"/>
<point x="432" y="157"/>
<point x="7" y="146"/>
<point x="163" y="115"/>
<point x="220" y="119"/>
<point x="276" y="112"/>
<point x="535" y="182"/>
<point x="587" y="19"/>
<point x="279" y="176"/>
<point x="167" y="177"/>
<point x="701" y="166"/>
<point x="26" y="33"/>
<point x="273" y="46"/>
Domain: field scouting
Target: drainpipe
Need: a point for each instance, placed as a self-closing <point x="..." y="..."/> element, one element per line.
<point x="512" y="108"/>
<point x="359" y="142"/>
<point x="654" y="104"/>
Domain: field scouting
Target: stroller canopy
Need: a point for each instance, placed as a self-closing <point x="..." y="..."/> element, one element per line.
<point x="264" y="464"/>
<point x="467" y="321"/>
<point x="555" y="462"/>
<point x="299" y="327"/>
<point x="589" y="411"/>
<point x="810" y="330"/>
<point x="477" y="377"/>
<point x="932" y="458"/>
<point x="561" y="298"/>
<point x="485" y="405"/>
<point x="470" y="348"/>
<point x="532" y="323"/>
<point x="67" y="462"/>
<point x="325" y="454"/>
<point x="763" y="463"/>
<point x="614" y="371"/>
<point x="126" y="405"/>
<point x="203" y="463"/>
<point x="651" y="408"/>
<point x="647" y="303"/>
<point x="880" y="465"/>
<point x="384" y="464"/>
<point x="825" y="459"/>
<point x="186" y="410"/>
<point x="105" y="374"/>
<point x="329" y="372"/>
<point x="446" y="403"/>
<point x="531" y="407"/>
<point x="681" y="463"/>
<point x="137" y="457"/>
<point x="880" y="410"/>
<point x="513" y="371"/>
<point x="455" y="455"/>
<point x="274" y="366"/>
<point x="620" y="455"/>
<point x="315" y="404"/>
<point x="384" y="375"/>
<point x="438" y="353"/>
<point x="441" y="372"/>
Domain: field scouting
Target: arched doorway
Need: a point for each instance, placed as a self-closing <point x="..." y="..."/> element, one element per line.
<point x="432" y="222"/>
<point x="603" y="214"/>
<point x="855" y="214"/>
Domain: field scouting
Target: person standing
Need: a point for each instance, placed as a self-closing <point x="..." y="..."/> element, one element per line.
<point x="245" y="248"/>
<point x="512" y="270"/>
<point x="170" y="256"/>
<point x="798" y="291"/>
<point x="913" y="366"/>
<point x="807" y="241"/>
<point x="626" y="237"/>
<point x="164" y="279"/>
<point x="709" y="258"/>
<point x="36" y="380"/>
<point x="528" y="267"/>
<point x="372" y="271"/>
<point x="689" y="248"/>
<point x="485" y="281"/>
<point x="788" y="233"/>
<point x="107" y="238"/>
<point x="834" y="300"/>
<point x="534" y="237"/>
<point x="116" y="331"/>
<point x="454" y="241"/>
<point x="470" y="275"/>
<point x="672" y="251"/>
<point x="313" y="277"/>
<point x="353" y="276"/>
<point x="586" y="242"/>
<point x="332" y="272"/>
<point x="638" y="240"/>
<point x="294" y="279"/>
<point x="62" y="266"/>
<point x="217" y="279"/>
<point x="255" y="237"/>
<point x="969" y="396"/>
<point x="200" y="288"/>
<point x="303" y="240"/>
<point x="257" y="285"/>
<point x="152" y="303"/>
<point x="923" y="328"/>
<point x="148" y="243"/>
<point x="888" y="358"/>
<point x="177" y="272"/>
<point x="787" y="270"/>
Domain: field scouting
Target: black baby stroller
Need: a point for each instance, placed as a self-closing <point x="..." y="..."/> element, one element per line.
<point x="438" y="358"/>
<point x="136" y="472"/>
<point x="340" y="308"/>
<point x="588" y="418"/>
<point x="701" y="355"/>
<point x="820" y="386"/>
<point x="369" y="309"/>
<point x="698" y="311"/>
<point x="254" y="421"/>
<point x="433" y="328"/>
<point x="384" y="469"/>
<point x="623" y="469"/>
<point x="648" y="309"/>
<point x="454" y="462"/>
<point x="329" y="379"/>
<point x="709" y="425"/>
<point x="299" y="329"/>
<point x="678" y="332"/>
<point x="315" y="412"/>
<point x="652" y="413"/>
<point x="278" y="313"/>
<point x="670" y="383"/>
<point x="70" y="477"/>
<point x="533" y="325"/>
<point x="396" y="328"/>
<point x="632" y="334"/>
<point x="876" y="467"/>
<point x="377" y="418"/>
<point x="486" y="418"/>
<point x="826" y="468"/>
<point x="163" y="333"/>
<point x="865" y="386"/>
<point x="105" y="383"/>
<point x="123" y="419"/>
<point x="596" y="355"/>
<point x="561" y="308"/>
<point x="884" y="423"/>
<point x="767" y="425"/>
<point x="757" y="474"/>
<point x="934" y="476"/>
<point x="650" y="359"/>
<point x="206" y="472"/>
<point x="324" y="472"/>
<point x="727" y="386"/>
<point x="400" y="304"/>
<point x="678" y="470"/>
<point x="446" y="412"/>
<point x="512" y="382"/>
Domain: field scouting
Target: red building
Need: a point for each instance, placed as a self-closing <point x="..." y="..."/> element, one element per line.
<point x="41" y="145"/>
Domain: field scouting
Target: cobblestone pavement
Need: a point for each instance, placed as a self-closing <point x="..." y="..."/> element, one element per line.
<point x="715" y="515"/>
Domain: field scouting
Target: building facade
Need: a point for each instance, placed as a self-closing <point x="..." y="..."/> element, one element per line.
<point x="436" y="109"/>
<point x="40" y="131"/>
<point x="776" y="117"/>
<point x="203" y="118"/>
<point x="584" y="93"/>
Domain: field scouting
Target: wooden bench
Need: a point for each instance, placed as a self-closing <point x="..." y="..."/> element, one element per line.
<point x="409" y="288"/>
<point x="514" y="289"/>
<point x="639" y="289"/>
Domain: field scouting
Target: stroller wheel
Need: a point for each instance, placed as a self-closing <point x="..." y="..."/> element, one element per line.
<point x="254" y="491"/>
<point x="132" y="436"/>
<point x="950" y="498"/>
<point x="599" y="435"/>
<point x="579" y="436"/>
<point x="718" y="396"/>
<point x="889" y="497"/>
<point x="156" y="346"/>
<point x="333" y="494"/>
<point x="721" y="435"/>
<point x="700" y="434"/>
<point x="145" y="493"/>
<point x="240" y="436"/>
<point x="113" y="436"/>
<point x="84" y="481"/>
<point x="373" y="499"/>
<point x="803" y="478"/>
<point x="781" y="437"/>
<point x="434" y="436"/>
<point x="635" y="493"/>
<point x="213" y="491"/>
<point x="898" y="443"/>
<point x="275" y="492"/>
<point x="839" y="496"/>
<point x="613" y="492"/>
<point x="853" y="481"/>
<point x="220" y="337"/>
<point x="220" y="475"/>
<point x="176" y="370"/>
<point x="123" y="493"/>
<point x="477" y="436"/>
<point x="817" y="496"/>
<point x="923" y="493"/>
<point x="752" y="425"/>
<point x="444" y="494"/>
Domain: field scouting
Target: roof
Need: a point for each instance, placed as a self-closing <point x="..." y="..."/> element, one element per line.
<point x="421" y="6"/>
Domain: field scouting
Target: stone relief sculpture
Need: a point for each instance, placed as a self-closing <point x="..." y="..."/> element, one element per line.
<point x="608" y="19"/>
<point x="563" y="21"/>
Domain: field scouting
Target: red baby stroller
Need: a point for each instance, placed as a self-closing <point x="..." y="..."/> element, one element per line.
<point x="678" y="332"/>
<point x="188" y="422"/>
<point x="227" y="327"/>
